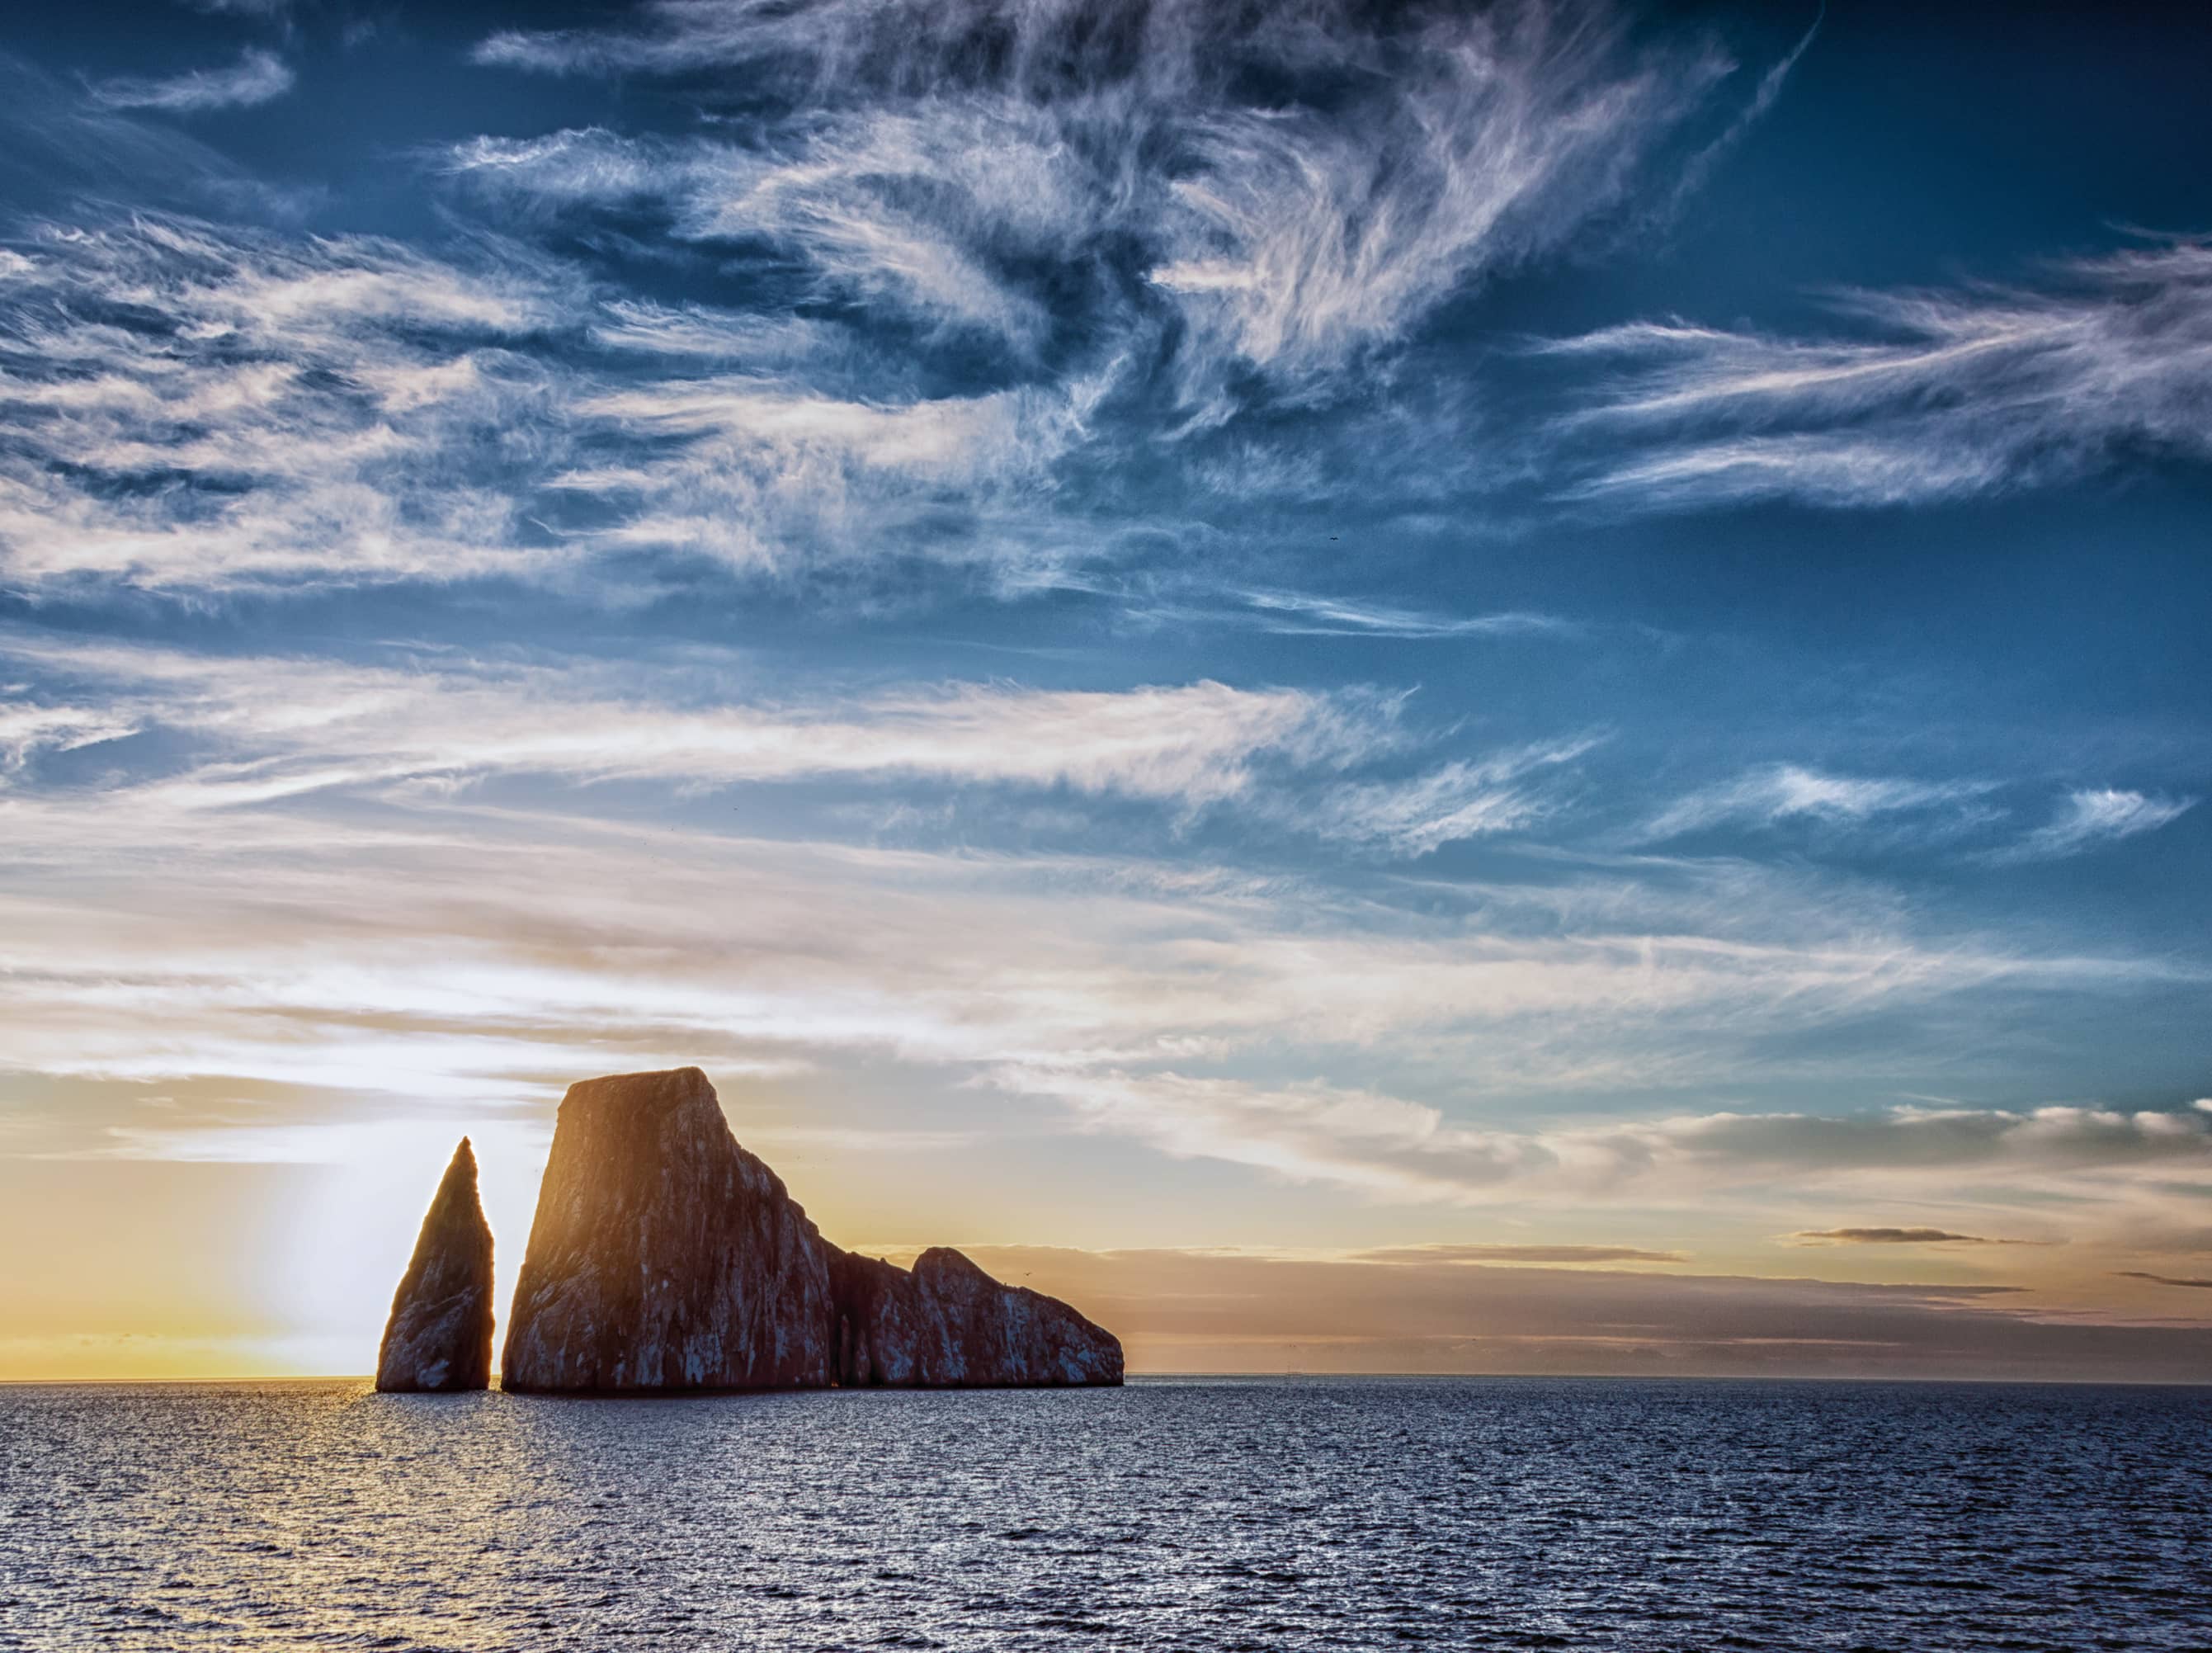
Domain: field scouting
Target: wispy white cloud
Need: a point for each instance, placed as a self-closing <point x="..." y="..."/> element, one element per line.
<point x="918" y="211"/>
<point x="288" y="726"/>
<point x="2091" y="818"/>
<point x="199" y="409"/>
<point x="762" y="473"/>
<point x="58" y="143"/>
<point x="26" y="727"/>
<point x="1927" y="812"/>
<point x="1303" y="242"/>
<point x="1785" y="792"/>
<point x="258" y="77"/>
<point x="273" y="728"/>
<point x="220" y="898"/>
<point x="191" y="408"/>
<point x="931" y="154"/>
<point x="713" y="337"/>
<point x="1092" y="223"/>
<point x="1301" y="614"/>
<point x="1397" y="1149"/>
<point x="1458" y="800"/>
<point x="1936" y="394"/>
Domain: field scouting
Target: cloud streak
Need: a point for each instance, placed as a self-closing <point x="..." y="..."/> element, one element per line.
<point x="1394" y="1148"/>
<point x="1300" y="614"/>
<point x="27" y="728"/>
<point x="258" y="77"/>
<point x="1934" y="394"/>
<point x="1931" y="813"/>
<point x="1417" y="1255"/>
<point x="2093" y="817"/>
<point x="282" y="728"/>
<point x="1785" y="792"/>
<point x="1895" y="1236"/>
<point x="1456" y="801"/>
<point x="1208" y="1312"/>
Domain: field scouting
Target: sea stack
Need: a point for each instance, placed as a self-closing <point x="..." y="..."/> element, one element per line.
<point x="663" y="1255"/>
<point x="946" y="1324"/>
<point x="666" y="1257"/>
<point x="439" y="1338"/>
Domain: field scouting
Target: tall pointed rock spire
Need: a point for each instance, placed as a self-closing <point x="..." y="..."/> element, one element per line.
<point x="439" y="1337"/>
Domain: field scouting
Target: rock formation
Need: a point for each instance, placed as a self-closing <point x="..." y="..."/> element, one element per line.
<point x="949" y="1325"/>
<point x="664" y="1256"/>
<point x="439" y="1337"/>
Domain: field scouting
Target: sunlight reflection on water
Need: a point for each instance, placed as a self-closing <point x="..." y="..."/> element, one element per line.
<point x="1227" y="1514"/>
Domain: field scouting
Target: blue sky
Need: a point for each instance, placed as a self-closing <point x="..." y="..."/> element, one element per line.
<point x="1205" y="638"/>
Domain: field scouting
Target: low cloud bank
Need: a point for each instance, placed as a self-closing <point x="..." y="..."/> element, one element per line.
<point x="1180" y="1311"/>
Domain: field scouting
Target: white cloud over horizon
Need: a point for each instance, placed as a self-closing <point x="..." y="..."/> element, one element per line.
<point x="255" y="902"/>
<point x="1396" y="1148"/>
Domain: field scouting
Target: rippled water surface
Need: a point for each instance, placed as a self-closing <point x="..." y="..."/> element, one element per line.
<point x="1185" y="1515"/>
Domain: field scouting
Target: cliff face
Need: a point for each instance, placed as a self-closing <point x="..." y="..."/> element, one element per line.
<point x="664" y="1256"/>
<point x="439" y="1337"/>
<point x="949" y="1325"/>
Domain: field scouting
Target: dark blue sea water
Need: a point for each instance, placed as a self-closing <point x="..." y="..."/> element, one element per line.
<point x="1171" y="1515"/>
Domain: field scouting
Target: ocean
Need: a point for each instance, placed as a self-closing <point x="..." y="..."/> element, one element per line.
<point x="1187" y="1514"/>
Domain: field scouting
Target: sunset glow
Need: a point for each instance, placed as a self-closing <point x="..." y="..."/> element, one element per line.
<point x="1375" y="696"/>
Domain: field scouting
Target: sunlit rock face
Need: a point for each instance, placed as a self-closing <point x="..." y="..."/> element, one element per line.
<point x="664" y="1256"/>
<point x="439" y="1337"/>
<point x="949" y="1325"/>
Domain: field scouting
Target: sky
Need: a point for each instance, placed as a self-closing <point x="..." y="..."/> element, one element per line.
<point x="1406" y="689"/>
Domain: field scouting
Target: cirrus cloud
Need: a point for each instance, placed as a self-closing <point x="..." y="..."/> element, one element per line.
<point x="2096" y="816"/>
<point x="1253" y="193"/>
<point x="1934" y="394"/>
<point x="258" y="77"/>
